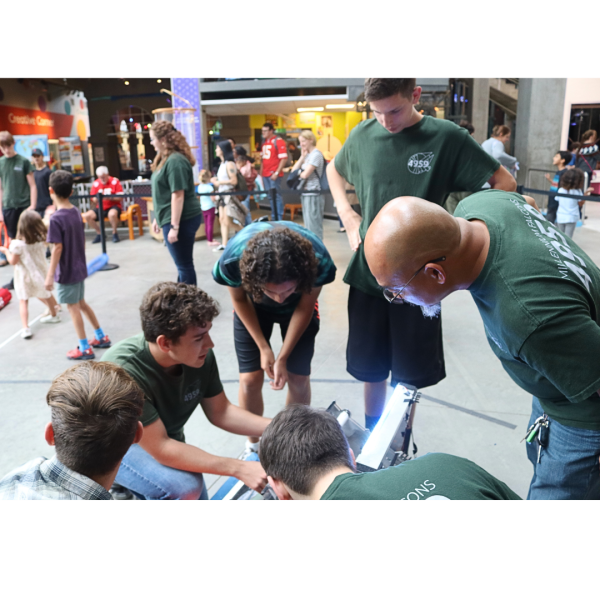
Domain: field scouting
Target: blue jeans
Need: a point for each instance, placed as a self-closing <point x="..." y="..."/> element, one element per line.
<point x="246" y="203"/>
<point x="568" y="468"/>
<point x="150" y="480"/>
<point x="276" y="211"/>
<point x="182" y="250"/>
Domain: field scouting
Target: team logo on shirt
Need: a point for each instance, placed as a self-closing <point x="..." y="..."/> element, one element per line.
<point x="192" y="392"/>
<point x="420" y="162"/>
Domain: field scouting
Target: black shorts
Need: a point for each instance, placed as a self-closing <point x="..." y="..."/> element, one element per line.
<point x="11" y="220"/>
<point x="386" y="337"/>
<point x="247" y="351"/>
<point x="97" y="211"/>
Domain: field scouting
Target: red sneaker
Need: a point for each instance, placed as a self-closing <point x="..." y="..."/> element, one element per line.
<point x="103" y="343"/>
<point x="77" y="354"/>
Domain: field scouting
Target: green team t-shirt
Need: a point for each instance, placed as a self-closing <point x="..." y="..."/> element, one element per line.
<point x="175" y="174"/>
<point x="172" y="398"/>
<point x="432" y="477"/>
<point x="539" y="297"/>
<point x="428" y="160"/>
<point x="15" y="187"/>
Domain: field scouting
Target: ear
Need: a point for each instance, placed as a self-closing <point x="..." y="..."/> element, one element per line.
<point x="164" y="344"/>
<point x="436" y="272"/>
<point x="352" y="455"/>
<point x="279" y="489"/>
<point x="139" y="433"/>
<point x="49" y="434"/>
<point x="416" y="95"/>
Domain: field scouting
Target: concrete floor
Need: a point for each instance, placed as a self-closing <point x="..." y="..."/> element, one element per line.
<point x="476" y="412"/>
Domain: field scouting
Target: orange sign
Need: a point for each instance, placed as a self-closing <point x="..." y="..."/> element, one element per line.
<point x="24" y="121"/>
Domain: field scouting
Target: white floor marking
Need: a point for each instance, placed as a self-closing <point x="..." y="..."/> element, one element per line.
<point x="12" y="337"/>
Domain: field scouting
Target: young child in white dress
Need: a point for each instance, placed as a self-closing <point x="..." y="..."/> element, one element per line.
<point x="27" y="253"/>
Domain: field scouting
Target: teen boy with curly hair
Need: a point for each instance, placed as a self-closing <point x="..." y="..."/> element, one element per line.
<point x="173" y="362"/>
<point x="274" y="272"/>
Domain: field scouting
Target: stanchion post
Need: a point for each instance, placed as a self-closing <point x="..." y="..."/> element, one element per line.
<point x="101" y="219"/>
<point x="107" y="266"/>
<point x="273" y="198"/>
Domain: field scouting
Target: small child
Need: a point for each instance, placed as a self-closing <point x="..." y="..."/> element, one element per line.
<point x="207" y="205"/>
<point x="68" y="267"/>
<point x="27" y="254"/>
<point x="571" y="184"/>
<point x="560" y="161"/>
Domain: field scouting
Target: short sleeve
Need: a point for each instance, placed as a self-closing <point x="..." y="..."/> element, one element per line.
<point x="16" y="247"/>
<point x="149" y="412"/>
<point x="473" y="167"/>
<point x="55" y="234"/>
<point x="565" y="351"/>
<point x="214" y="386"/>
<point x="95" y="187"/>
<point x="177" y="174"/>
<point x="117" y="185"/>
<point x="326" y="269"/>
<point x="341" y="161"/>
<point x="227" y="269"/>
<point x="281" y="148"/>
<point x="316" y="160"/>
<point x="27" y="167"/>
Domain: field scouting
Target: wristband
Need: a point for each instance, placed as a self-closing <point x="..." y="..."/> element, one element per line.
<point x="176" y="228"/>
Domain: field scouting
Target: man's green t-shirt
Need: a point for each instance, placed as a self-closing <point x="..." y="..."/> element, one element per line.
<point x="428" y="160"/>
<point x="539" y="297"/>
<point x="432" y="477"/>
<point x="175" y="174"/>
<point x="15" y="187"/>
<point x="172" y="398"/>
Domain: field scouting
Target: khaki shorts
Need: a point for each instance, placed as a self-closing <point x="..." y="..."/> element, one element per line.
<point x="69" y="293"/>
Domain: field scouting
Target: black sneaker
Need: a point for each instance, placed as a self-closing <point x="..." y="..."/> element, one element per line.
<point x="9" y="285"/>
<point x="116" y="238"/>
<point x="97" y="239"/>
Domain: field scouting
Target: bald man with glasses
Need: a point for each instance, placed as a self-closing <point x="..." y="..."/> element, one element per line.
<point x="538" y="294"/>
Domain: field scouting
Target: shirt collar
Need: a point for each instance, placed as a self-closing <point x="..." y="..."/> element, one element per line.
<point x="80" y="485"/>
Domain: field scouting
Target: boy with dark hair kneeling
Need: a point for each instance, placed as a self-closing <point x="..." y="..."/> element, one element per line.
<point x="95" y="409"/>
<point x="173" y="363"/>
<point x="306" y="457"/>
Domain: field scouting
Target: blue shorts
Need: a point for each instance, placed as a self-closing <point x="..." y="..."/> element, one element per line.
<point x="69" y="293"/>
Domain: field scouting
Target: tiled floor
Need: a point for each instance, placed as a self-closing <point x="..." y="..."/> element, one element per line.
<point x="476" y="412"/>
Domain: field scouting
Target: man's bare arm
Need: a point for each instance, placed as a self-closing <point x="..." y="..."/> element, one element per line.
<point x="503" y="180"/>
<point x="350" y="218"/>
<point x="185" y="457"/>
<point x="32" y="191"/>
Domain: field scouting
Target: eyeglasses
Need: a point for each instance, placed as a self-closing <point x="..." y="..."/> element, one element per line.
<point x="394" y="297"/>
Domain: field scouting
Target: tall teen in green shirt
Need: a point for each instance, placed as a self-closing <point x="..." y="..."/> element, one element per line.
<point x="398" y="153"/>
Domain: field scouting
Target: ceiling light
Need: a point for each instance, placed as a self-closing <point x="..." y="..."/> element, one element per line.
<point x="159" y="81"/>
<point x="126" y="82"/>
<point x="339" y="106"/>
<point x="311" y="109"/>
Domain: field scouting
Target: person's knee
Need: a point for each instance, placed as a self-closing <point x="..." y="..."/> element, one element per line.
<point x="189" y="486"/>
<point x="300" y="383"/>
<point x="252" y="382"/>
<point x="90" y="215"/>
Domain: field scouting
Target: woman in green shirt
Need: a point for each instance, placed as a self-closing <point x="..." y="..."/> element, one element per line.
<point x="176" y="207"/>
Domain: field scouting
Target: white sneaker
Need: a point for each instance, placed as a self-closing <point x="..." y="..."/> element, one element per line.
<point x="219" y="248"/>
<point x="249" y="449"/>
<point x="57" y="308"/>
<point x="50" y="319"/>
<point x="26" y="333"/>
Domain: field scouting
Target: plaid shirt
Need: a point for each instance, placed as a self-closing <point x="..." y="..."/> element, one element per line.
<point x="42" y="479"/>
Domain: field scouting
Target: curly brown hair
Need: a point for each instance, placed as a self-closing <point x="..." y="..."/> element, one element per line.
<point x="276" y="256"/>
<point x="175" y="141"/>
<point x="31" y="228"/>
<point x="169" y="309"/>
<point x="572" y="179"/>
